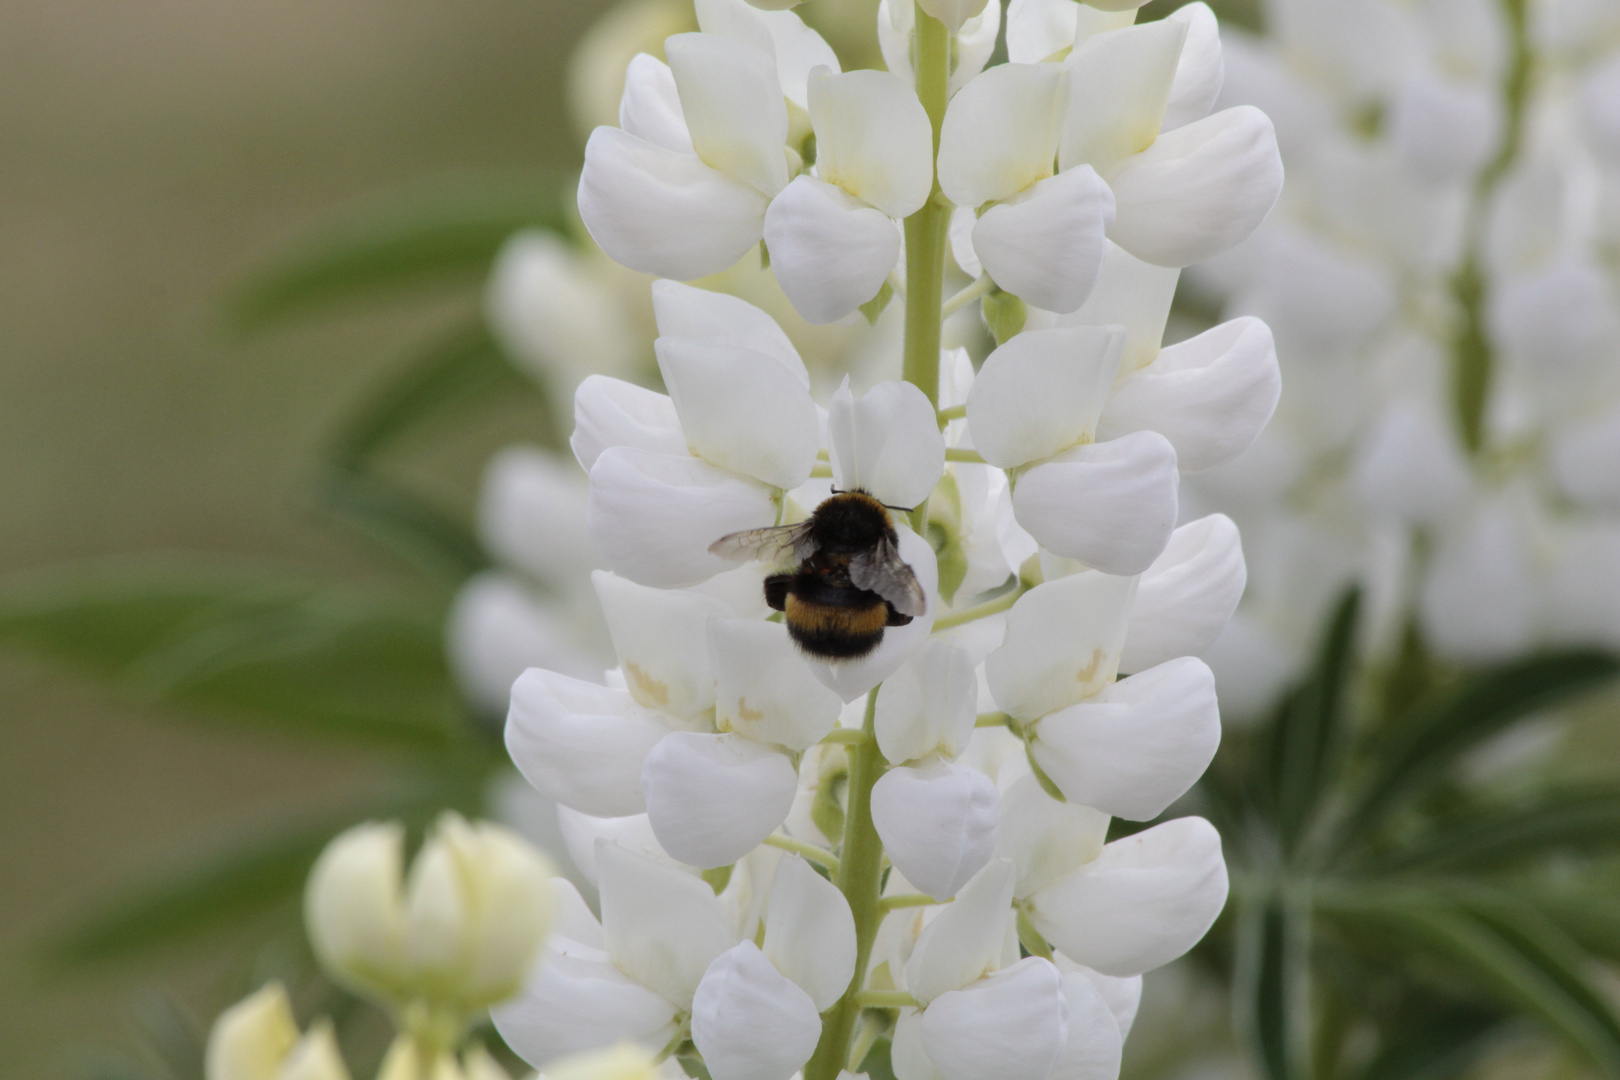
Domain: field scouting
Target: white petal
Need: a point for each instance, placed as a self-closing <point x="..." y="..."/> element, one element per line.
<point x="663" y="927"/>
<point x="1042" y="392"/>
<point x="1046" y="839"/>
<point x="580" y="833"/>
<point x="1144" y="901"/>
<point x="1119" y="84"/>
<point x="740" y="410"/>
<point x="653" y="516"/>
<point x="928" y="705"/>
<point x="1199" y="72"/>
<point x="1041" y="30"/>
<point x="651" y="106"/>
<point x="1010" y="1025"/>
<point x="1136" y="747"/>
<point x="1210" y="395"/>
<point x="660" y="636"/>
<point x="1444" y="130"/>
<point x="531" y="514"/>
<point x="737" y="20"/>
<point x="498" y="628"/>
<point x="887" y="444"/>
<point x="938" y="824"/>
<point x="749" y="1021"/>
<point x="1123" y="995"/>
<point x="810" y="932"/>
<point x="572" y="1004"/>
<point x="1047" y="243"/>
<point x="964" y="941"/>
<point x="354" y="912"/>
<point x="1092" y="1046"/>
<point x="1128" y="293"/>
<point x="1187" y="596"/>
<point x="733" y="106"/>
<point x="611" y="412"/>
<point x="873" y="139"/>
<point x="953" y="13"/>
<point x="1479" y="601"/>
<point x="1197" y="190"/>
<point x="851" y="679"/>
<point x="1062" y="644"/>
<point x="1110" y="505"/>
<point x="831" y="252"/>
<point x="962" y="224"/>
<point x="1410" y="466"/>
<point x="1561" y="318"/>
<point x="704" y="315"/>
<point x="554" y="316"/>
<point x="713" y="798"/>
<point x="663" y="212"/>
<point x="799" y="51"/>
<point x="1001" y="132"/>
<point x="763" y="688"/>
<point x="975" y="43"/>
<point x="906" y="1054"/>
<point x="1582" y="455"/>
<point x="580" y="743"/>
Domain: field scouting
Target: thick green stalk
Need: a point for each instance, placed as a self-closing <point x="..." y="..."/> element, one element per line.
<point x="860" y="879"/>
<point x="927" y="229"/>
<point x="860" y="860"/>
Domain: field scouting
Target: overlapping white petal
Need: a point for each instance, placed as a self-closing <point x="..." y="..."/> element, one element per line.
<point x="873" y="139"/>
<point x="967" y="939"/>
<point x="1062" y="644"/>
<point x="1144" y="901"/>
<point x="712" y="799"/>
<point x="1046" y="839"/>
<point x="1200" y="71"/>
<point x="1210" y="396"/>
<point x="830" y="251"/>
<point x="718" y="318"/>
<point x="810" y="932"/>
<point x="610" y="412"/>
<point x="1138" y="745"/>
<point x="763" y="688"/>
<point x="651" y="106"/>
<point x="1110" y="505"/>
<point x="733" y="107"/>
<point x="1185" y="599"/>
<point x="887" y="444"/>
<point x="663" y="927"/>
<point x="661" y="641"/>
<point x="1012" y="1023"/>
<point x="577" y="1001"/>
<point x="1119" y="85"/>
<point x="1094" y="1043"/>
<point x="1046" y="244"/>
<point x="1000" y="134"/>
<point x="751" y="1022"/>
<point x="927" y="707"/>
<point x="937" y="822"/>
<point x="971" y="50"/>
<point x="1042" y="392"/>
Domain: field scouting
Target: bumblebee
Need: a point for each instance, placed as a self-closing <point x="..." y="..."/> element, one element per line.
<point x="850" y="584"/>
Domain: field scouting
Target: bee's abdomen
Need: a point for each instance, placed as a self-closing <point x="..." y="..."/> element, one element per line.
<point x="836" y="631"/>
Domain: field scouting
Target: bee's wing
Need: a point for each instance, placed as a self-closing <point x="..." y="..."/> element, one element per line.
<point x="772" y="544"/>
<point x="881" y="570"/>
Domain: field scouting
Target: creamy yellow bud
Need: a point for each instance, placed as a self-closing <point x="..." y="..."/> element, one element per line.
<point x="353" y="910"/>
<point x="402" y="1062"/>
<point x="316" y="1057"/>
<point x="252" y="1038"/>
<point x="625" y="1061"/>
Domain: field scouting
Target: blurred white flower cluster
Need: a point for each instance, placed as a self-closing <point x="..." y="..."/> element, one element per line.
<point x="1441" y="280"/>
<point x="797" y="853"/>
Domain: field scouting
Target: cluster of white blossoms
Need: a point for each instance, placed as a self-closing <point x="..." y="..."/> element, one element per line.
<point x="436" y="948"/>
<point x="795" y="855"/>
<point x="1441" y="281"/>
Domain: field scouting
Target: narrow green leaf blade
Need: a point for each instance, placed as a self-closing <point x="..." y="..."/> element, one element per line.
<point x="1552" y="822"/>
<point x="444" y="231"/>
<point x="1435" y="1045"/>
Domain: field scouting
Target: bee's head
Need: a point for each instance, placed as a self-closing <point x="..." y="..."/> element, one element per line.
<point x="851" y="520"/>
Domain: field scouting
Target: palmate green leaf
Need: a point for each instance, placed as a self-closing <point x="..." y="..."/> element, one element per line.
<point x="1304" y="740"/>
<point x="1508" y="949"/>
<point x="444" y="231"/>
<point x="1552" y="822"/>
<point x="1436" y="736"/>
<point x="1272" y="985"/>
<point x="233" y="879"/>
<point x="254" y="643"/>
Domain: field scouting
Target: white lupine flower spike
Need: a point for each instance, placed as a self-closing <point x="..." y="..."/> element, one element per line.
<point x="893" y="651"/>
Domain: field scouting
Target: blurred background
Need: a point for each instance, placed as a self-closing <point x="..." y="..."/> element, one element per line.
<point x="154" y="152"/>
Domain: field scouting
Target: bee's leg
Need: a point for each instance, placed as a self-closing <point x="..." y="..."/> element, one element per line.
<point x="776" y="591"/>
<point x="895" y="618"/>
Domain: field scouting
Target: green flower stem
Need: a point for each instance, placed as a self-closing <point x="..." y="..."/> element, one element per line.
<point x="955" y="453"/>
<point x="846" y="736"/>
<point x="885" y="999"/>
<point x="993" y="719"/>
<point x="810" y="852"/>
<point x="1472" y="352"/>
<point x="980" y="611"/>
<point x="967" y="296"/>
<point x="926" y="229"/>
<point x="904" y="900"/>
<point x="955" y="412"/>
<point x="860" y="878"/>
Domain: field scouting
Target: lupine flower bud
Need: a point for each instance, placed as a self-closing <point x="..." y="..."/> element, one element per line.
<point x="257" y="1039"/>
<point x="462" y="931"/>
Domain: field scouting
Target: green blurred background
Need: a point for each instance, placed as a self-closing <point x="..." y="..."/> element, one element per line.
<point x="150" y="153"/>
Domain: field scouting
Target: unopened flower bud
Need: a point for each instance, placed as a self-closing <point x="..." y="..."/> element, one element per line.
<point x="353" y="911"/>
<point x="626" y="1061"/>
<point x="257" y="1039"/>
